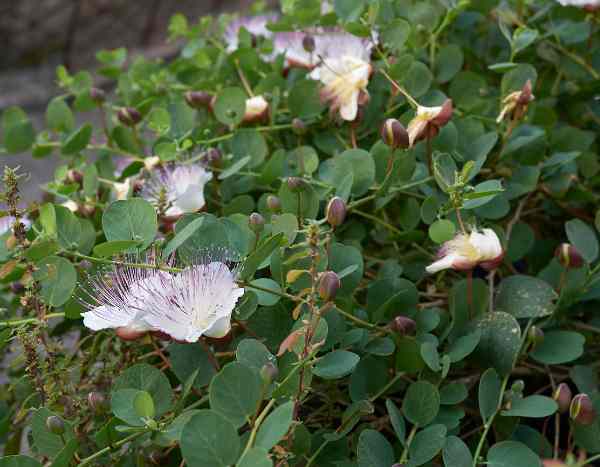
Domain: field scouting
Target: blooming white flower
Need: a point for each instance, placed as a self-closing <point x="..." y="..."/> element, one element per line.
<point x="198" y="301"/>
<point x="179" y="187"/>
<point x="256" y="108"/>
<point x="428" y="121"/>
<point x="255" y="25"/>
<point x="343" y="68"/>
<point x="119" y="299"/>
<point x="464" y="252"/>
<point x="580" y="3"/>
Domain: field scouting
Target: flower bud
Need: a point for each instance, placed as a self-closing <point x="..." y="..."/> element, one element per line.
<point x="563" y="396"/>
<point x="214" y="157"/>
<point x="295" y="184"/>
<point x="308" y="43"/>
<point x="97" y="402"/>
<point x="394" y="134"/>
<point x="568" y="256"/>
<point x="74" y="176"/>
<point x="518" y="386"/>
<point x="535" y="336"/>
<point x="55" y="425"/>
<point x="198" y="99"/>
<point x="526" y="95"/>
<point x="129" y="116"/>
<point x="17" y="287"/>
<point x="269" y="373"/>
<point x="403" y="325"/>
<point x="256" y="222"/>
<point x="97" y="95"/>
<point x="336" y="211"/>
<point x="582" y="410"/>
<point x="299" y="127"/>
<point x="273" y="203"/>
<point x="329" y="284"/>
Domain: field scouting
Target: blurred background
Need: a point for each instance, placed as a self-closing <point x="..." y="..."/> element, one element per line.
<point x="38" y="35"/>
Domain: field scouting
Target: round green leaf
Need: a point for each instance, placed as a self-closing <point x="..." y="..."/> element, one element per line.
<point x="145" y="377"/>
<point x="58" y="279"/>
<point x="336" y="364"/>
<point x="500" y="340"/>
<point x="17" y="131"/>
<point x="426" y="444"/>
<point x="209" y="440"/>
<point x="421" y="403"/>
<point x="559" y="347"/>
<point x="456" y="453"/>
<point x="532" y="406"/>
<point x="59" y="116"/>
<point x="235" y="392"/>
<point x="511" y="454"/>
<point x="374" y="450"/>
<point x="131" y="219"/>
<point x="275" y="426"/>
<point x="78" y="140"/>
<point x="230" y="106"/>
<point x="441" y="231"/>
<point x="583" y="238"/>
<point x="525" y="297"/>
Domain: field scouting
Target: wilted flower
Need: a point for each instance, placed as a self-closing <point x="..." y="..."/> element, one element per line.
<point x="516" y="103"/>
<point x="255" y="25"/>
<point x="256" y="109"/>
<point x="179" y="188"/>
<point x="198" y="301"/>
<point x="464" y="252"/>
<point x="428" y="121"/>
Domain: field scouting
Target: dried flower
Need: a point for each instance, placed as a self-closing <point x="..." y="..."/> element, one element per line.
<point x="516" y="103"/>
<point x="428" y="121"/>
<point x="179" y="188"/>
<point x="464" y="252"/>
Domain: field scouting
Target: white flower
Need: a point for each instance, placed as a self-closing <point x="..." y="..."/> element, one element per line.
<point x="464" y="252"/>
<point x="122" y="189"/>
<point x="343" y="68"/>
<point x="255" y="25"/>
<point x="198" y="301"/>
<point x="180" y="188"/>
<point x="151" y="162"/>
<point x="70" y="205"/>
<point x="580" y="3"/>
<point x="256" y="108"/>
<point x="119" y="299"/>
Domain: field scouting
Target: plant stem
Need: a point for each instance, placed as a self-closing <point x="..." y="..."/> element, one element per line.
<point x="411" y="436"/>
<point x="386" y="387"/>
<point x="256" y="426"/>
<point x="88" y="460"/>
<point x="19" y="322"/>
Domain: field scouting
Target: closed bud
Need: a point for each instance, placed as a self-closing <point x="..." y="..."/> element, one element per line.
<point x="535" y="336"/>
<point x="129" y="116"/>
<point x="526" y="96"/>
<point x="329" y="284"/>
<point x="394" y="134"/>
<point x="582" y="410"/>
<point x="256" y="222"/>
<point x="198" y="99"/>
<point x="273" y="203"/>
<point x="563" y="396"/>
<point x="17" y="288"/>
<point x="403" y="325"/>
<point x="74" y="176"/>
<point x="518" y="386"/>
<point x="308" y="43"/>
<point x="214" y="157"/>
<point x="336" y="211"/>
<point x="269" y="373"/>
<point x="97" y="402"/>
<point x="295" y="184"/>
<point x="299" y="127"/>
<point x="568" y="256"/>
<point x="97" y="95"/>
<point x="55" y="425"/>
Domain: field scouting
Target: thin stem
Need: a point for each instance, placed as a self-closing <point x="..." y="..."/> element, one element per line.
<point x="19" y="322"/>
<point x="400" y="89"/>
<point x="376" y="219"/>
<point x="257" y="423"/>
<point x="93" y="457"/>
<point x="362" y="322"/>
<point x="386" y="387"/>
<point x="409" y="440"/>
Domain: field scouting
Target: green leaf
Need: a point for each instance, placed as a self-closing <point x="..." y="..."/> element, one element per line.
<point x="249" y="142"/>
<point x="77" y="140"/>
<point x="131" y="219"/>
<point x="108" y="249"/>
<point x="483" y="193"/>
<point x="234" y="168"/>
<point x="144" y="405"/>
<point x="349" y="10"/>
<point x="18" y="461"/>
<point x="531" y="406"/>
<point x="421" y="403"/>
<point x="489" y="393"/>
<point x="123" y="406"/>
<point x="426" y="444"/>
<point x="525" y="297"/>
<point x="275" y="426"/>
<point x="262" y="290"/>
<point x="235" y="392"/>
<point x="430" y="355"/>
<point x="456" y="453"/>
<point x="68" y="228"/>
<point x="336" y="364"/>
<point x="442" y="230"/>
<point x="209" y="440"/>
<point x="583" y="238"/>
<point x="45" y="442"/>
<point x="463" y="346"/>
<point x="304" y="100"/>
<point x="522" y="38"/>
<point x="59" y="116"/>
<point x="511" y="454"/>
<point x="259" y="255"/>
<point x="254" y="354"/>
<point x="255" y="457"/>
<point x="58" y="279"/>
<point x="48" y="219"/>
<point x="397" y="420"/>
<point x="500" y="340"/>
<point x="17" y="131"/>
<point x="145" y="377"/>
<point x="186" y="359"/>
<point x="90" y="181"/>
<point x="449" y="63"/>
<point x="159" y="120"/>
<point x="559" y="347"/>
<point x="453" y="393"/>
<point x="182" y="236"/>
<point x="374" y="450"/>
<point x="230" y="106"/>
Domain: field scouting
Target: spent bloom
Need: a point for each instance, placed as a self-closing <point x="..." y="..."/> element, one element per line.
<point x="256" y="109"/>
<point x="428" y="121"/>
<point x="464" y="252"/>
<point x="255" y="25"/>
<point x="179" y="188"/>
<point x="516" y="103"/>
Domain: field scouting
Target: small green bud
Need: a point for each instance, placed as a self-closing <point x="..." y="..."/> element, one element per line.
<point x="535" y="336"/>
<point x="582" y="410"/>
<point x="55" y="425"/>
<point x="97" y="95"/>
<point x="329" y="284"/>
<point x="518" y="386"/>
